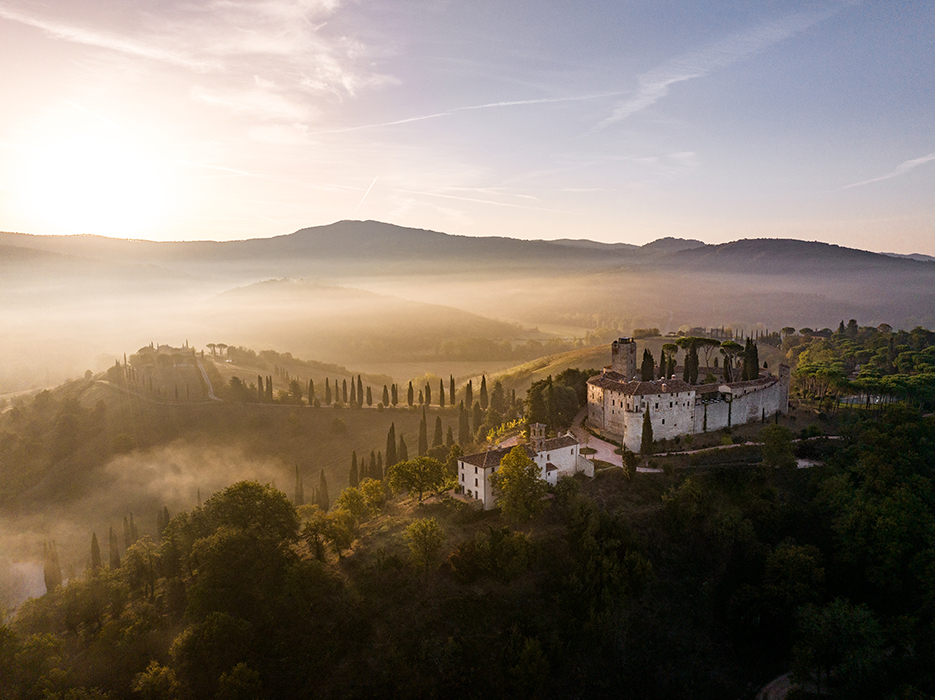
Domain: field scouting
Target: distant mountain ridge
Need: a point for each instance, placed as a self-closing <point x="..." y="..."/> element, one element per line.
<point x="314" y="251"/>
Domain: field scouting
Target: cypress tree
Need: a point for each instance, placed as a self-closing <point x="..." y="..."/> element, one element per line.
<point x="162" y="522"/>
<point x="428" y="394"/>
<point x="324" y="502"/>
<point x="478" y="418"/>
<point x="360" y="392"/>
<point x="437" y="438"/>
<point x="421" y="398"/>
<point x="51" y="569"/>
<point x="550" y="406"/>
<point x="451" y="389"/>
<point x="327" y="391"/>
<point x="648" y="367"/>
<point x="95" y="553"/>
<point x="751" y="361"/>
<point x="311" y="392"/>
<point x="386" y="396"/>
<point x="395" y="398"/>
<point x="441" y="393"/>
<point x="299" y="490"/>
<point x="483" y="392"/>
<point x="449" y="438"/>
<point x="378" y="472"/>
<point x="260" y="391"/>
<point x="391" y="446"/>
<point x="646" y="441"/>
<point x="497" y="399"/>
<point x="343" y="390"/>
<point x="409" y="395"/>
<point x="373" y="465"/>
<point x="269" y="389"/>
<point x="353" y="394"/>
<point x="464" y="430"/>
<point x="469" y="394"/>
<point x="114" y="551"/>
<point x="403" y="453"/>
<point x="126" y="533"/>
<point x="354" y="478"/>
<point x="369" y="397"/>
<point x="662" y="363"/>
<point x="423" y="436"/>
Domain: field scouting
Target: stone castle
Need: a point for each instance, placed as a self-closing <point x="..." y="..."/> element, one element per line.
<point x="617" y="401"/>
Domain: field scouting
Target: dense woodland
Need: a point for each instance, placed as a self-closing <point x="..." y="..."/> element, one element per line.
<point x="696" y="582"/>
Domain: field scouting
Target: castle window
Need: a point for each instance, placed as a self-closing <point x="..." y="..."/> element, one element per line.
<point x="663" y="421"/>
<point x="475" y="470"/>
<point x="475" y="482"/>
<point x="657" y="404"/>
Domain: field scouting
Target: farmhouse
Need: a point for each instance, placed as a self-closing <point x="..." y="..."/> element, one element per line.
<point x="556" y="457"/>
<point x="618" y="400"/>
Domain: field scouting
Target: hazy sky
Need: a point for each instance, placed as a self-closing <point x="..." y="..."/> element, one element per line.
<point x="616" y="121"/>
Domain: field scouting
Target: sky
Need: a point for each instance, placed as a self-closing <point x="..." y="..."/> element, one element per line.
<point x="617" y="121"/>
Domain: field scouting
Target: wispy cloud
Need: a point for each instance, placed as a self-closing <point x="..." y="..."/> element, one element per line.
<point x="113" y="42"/>
<point x="261" y="100"/>
<point x="234" y="40"/>
<point x="900" y="169"/>
<point x="487" y="105"/>
<point x="655" y="84"/>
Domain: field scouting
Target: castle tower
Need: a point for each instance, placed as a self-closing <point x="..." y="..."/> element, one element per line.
<point x="537" y="435"/>
<point x="623" y="357"/>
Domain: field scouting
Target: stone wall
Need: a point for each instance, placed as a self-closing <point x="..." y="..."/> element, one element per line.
<point x="747" y="408"/>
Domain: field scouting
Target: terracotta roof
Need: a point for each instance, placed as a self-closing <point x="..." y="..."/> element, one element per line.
<point x="492" y="458"/>
<point x="615" y="382"/>
<point x="549" y="467"/>
<point x="558" y="443"/>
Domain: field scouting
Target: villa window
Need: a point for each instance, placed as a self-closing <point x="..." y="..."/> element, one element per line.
<point x="475" y="482"/>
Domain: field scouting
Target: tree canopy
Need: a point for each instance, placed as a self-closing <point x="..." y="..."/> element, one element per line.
<point x="519" y="486"/>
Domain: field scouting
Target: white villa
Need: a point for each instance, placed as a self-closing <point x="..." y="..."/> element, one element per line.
<point x="556" y="457"/>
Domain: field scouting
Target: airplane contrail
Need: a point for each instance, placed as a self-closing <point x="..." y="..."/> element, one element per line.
<point x="365" y="195"/>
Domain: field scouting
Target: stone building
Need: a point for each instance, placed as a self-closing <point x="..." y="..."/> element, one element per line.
<point x="556" y="457"/>
<point x="617" y="401"/>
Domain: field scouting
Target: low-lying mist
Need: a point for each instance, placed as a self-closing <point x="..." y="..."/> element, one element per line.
<point x="140" y="483"/>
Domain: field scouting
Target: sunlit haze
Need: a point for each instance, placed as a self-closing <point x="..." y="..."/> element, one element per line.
<point x="610" y="121"/>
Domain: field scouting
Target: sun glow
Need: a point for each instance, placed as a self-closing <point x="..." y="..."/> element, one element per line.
<point x="95" y="186"/>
